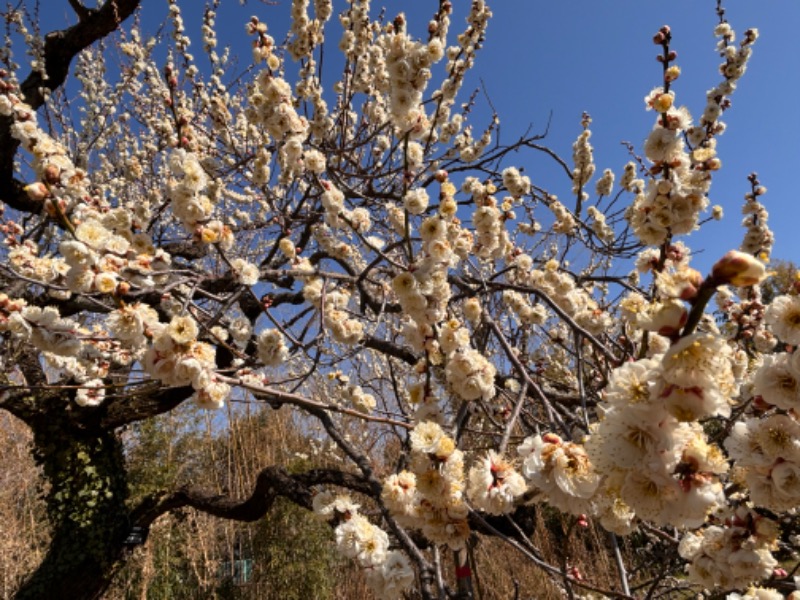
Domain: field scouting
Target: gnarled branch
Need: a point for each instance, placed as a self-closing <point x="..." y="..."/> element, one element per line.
<point x="272" y="482"/>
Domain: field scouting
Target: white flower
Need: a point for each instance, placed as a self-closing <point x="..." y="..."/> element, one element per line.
<point x="494" y="485"/>
<point x="516" y="184"/>
<point x="105" y="282"/>
<point x="245" y="272"/>
<point x="777" y="383"/>
<point x="393" y="577"/>
<point x="213" y="395"/>
<point x="357" y="538"/>
<point x="93" y="234"/>
<point x="783" y="315"/>
<point x="327" y="504"/>
<point x="128" y="323"/>
<point x="561" y="469"/>
<point x="632" y="383"/>
<point x="759" y="593"/>
<point x="91" y="393"/>
<point x="182" y="329"/>
<point x="416" y="201"/>
<point x="472" y="310"/>
<point x="399" y="492"/>
<point x="272" y="350"/>
<point x="470" y="374"/>
<point x="77" y="253"/>
<point x="425" y="437"/>
<point x="662" y="144"/>
<point x="697" y="360"/>
<point x="240" y="329"/>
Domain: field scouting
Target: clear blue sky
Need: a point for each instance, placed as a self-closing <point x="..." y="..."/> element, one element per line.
<point x="571" y="56"/>
<point x="566" y="57"/>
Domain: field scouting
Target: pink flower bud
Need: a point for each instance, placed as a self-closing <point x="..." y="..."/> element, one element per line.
<point x="551" y="438"/>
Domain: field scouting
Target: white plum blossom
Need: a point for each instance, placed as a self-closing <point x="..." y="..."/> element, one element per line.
<point x="271" y="348"/>
<point x="494" y="485"/>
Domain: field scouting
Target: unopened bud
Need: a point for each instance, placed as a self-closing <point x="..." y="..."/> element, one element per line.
<point x="52" y="173"/>
<point x="551" y="438"/>
<point x="693" y="282"/>
<point x="738" y="269"/>
<point x="37" y="191"/>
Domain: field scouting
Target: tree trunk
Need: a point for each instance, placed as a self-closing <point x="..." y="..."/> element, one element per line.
<point x="86" y="505"/>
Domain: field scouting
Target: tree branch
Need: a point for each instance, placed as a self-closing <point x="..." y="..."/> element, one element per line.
<point x="272" y="482"/>
<point x="60" y="47"/>
<point x="143" y="404"/>
<point x="80" y="10"/>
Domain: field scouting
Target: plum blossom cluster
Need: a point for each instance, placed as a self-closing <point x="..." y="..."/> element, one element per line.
<point x="178" y="358"/>
<point x="430" y="495"/>
<point x="560" y="288"/>
<point x="582" y="156"/>
<point x="518" y="185"/>
<point x="408" y="65"/>
<point x="60" y="185"/>
<point x="342" y="327"/>
<point x="271" y="105"/>
<point x="468" y="373"/>
<point x="662" y="465"/>
<point x="340" y="207"/>
<point x="491" y="236"/>
<point x="673" y="203"/>
<point x="67" y="347"/>
<point x="353" y="395"/>
<point x="106" y="253"/>
<point x="766" y="453"/>
<point x="733" y="554"/>
<point x="271" y="348"/>
<point x="758" y="239"/>
<point x="388" y="572"/>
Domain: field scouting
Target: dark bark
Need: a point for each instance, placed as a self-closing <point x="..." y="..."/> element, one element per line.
<point x="86" y="507"/>
<point x="86" y="502"/>
<point x="271" y="483"/>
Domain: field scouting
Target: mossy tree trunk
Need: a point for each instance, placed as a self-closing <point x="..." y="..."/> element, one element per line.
<point x="86" y="474"/>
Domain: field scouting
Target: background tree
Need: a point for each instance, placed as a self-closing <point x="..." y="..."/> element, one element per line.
<point x="452" y="342"/>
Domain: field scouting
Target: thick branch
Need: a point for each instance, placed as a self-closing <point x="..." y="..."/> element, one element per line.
<point x="272" y="482"/>
<point x="60" y="47"/>
<point x="142" y="405"/>
<point x="390" y="349"/>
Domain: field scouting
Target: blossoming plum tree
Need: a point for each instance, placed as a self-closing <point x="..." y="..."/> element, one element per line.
<point x="363" y="256"/>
